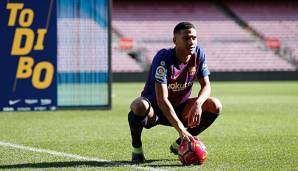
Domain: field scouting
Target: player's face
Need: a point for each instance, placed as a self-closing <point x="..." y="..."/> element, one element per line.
<point x="186" y="41"/>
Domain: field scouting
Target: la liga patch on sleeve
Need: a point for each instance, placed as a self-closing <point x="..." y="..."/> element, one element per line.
<point x="160" y="72"/>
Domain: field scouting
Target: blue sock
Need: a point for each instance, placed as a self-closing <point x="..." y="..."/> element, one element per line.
<point x="207" y="119"/>
<point x="136" y="127"/>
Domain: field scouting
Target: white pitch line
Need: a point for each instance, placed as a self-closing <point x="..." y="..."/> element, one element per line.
<point x="74" y="156"/>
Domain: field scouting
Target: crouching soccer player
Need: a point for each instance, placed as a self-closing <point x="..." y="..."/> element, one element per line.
<point x="166" y="98"/>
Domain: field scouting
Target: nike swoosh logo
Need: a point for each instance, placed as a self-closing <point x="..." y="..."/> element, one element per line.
<point x="12" y="102"/>
<point x="174" y="74"/>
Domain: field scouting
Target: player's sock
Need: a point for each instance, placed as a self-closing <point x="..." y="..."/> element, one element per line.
<point x="137" y="150"/>
<point x="136" y="127"/>
<point x="207" y="119"/>
<point x="137" y="155"/>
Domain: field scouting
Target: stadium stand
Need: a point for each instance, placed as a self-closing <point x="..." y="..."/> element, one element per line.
<point x="273" y="19"/>
<point x="121" y="61"/>
<point x="228" y="46"/>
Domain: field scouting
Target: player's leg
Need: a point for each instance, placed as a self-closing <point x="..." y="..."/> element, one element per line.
<point x="141" y="115"/>
<point x="211" y="110"/>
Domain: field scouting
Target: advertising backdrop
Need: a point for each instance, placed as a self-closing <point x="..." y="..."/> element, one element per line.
<point x="28" y="55"/>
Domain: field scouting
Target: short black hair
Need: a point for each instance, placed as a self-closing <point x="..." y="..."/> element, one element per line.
<point x="182" y="26"/>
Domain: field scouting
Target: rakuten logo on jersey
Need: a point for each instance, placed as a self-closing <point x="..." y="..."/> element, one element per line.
<point x="179" y="87"/>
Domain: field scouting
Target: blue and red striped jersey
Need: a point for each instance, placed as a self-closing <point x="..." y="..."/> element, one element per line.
<point x="179" y="77"/>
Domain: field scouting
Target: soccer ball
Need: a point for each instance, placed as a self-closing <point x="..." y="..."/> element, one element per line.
<point x="194" y="152"/>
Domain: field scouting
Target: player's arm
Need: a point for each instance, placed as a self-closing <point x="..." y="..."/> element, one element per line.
<point x="203" y="78"/>
<point x="168" y="110"/>
<point x="196" y="110"/>
<point x="205" y="90"/>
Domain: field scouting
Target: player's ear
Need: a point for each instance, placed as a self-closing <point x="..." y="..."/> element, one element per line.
<point x="174" y="39"/>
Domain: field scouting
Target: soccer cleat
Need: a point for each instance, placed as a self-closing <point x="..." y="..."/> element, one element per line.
<point x="174" y="146"/>
<point x="138" y="157"/>
<point x="174" y="150"/>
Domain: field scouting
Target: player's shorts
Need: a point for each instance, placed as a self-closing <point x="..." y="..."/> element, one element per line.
<point x="160" y="118"/>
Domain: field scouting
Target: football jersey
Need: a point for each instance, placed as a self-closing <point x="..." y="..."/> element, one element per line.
<point x="179" y="77"/>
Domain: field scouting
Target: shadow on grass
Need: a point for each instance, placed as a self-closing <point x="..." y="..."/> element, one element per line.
<point x="66" y="164"/>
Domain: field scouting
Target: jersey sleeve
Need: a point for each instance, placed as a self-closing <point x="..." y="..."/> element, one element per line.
<point x="159" y="67"/>
<point x="203" y="70"/>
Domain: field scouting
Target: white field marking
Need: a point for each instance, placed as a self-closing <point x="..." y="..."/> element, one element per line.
<point x="75" y="156"/>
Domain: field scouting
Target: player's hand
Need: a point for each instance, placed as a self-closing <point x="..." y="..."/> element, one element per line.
<point x="194" y="115"/>
<point x="184" y="134"/>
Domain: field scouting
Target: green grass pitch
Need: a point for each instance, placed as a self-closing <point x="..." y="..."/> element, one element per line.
<point x="258" y="130"/>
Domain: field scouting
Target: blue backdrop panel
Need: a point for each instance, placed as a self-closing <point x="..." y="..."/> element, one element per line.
<point x="83" y="70"/>
<point x="28" y="55"/>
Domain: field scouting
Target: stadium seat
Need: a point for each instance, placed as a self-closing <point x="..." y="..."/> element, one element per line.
<point x="228" y="47"/>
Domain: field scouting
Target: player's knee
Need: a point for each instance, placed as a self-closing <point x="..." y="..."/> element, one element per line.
<point x="217" y="105"/>
<point x="139" y="107"/>
<point x="214" y="105"/>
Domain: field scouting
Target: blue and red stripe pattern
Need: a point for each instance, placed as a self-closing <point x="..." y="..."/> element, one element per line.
<point x="179" y="77"/>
